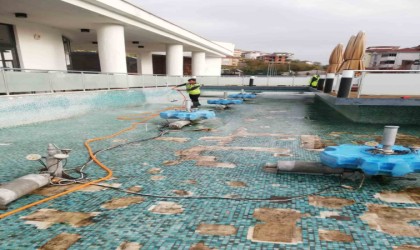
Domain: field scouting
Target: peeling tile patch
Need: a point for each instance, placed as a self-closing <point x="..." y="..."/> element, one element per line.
<point x="191" y="182"/>
<point x="216" y="229"/>
<point x="408" y="195"/>
<point x="334" y="236"/>
<point x="182" y="192"/>
<point x="329" y="202"/>
<point x="328" y="214"/>
<point x="312" y="142"/>
<point x="166" y="207"/>
<point x="157" y="177"/>
<point x="129" y="246"/>
<point x="44" y="218"/>
<point x="406" y="247"/>
<point x="201" y="246"/>
<point x="136" y="189"/>
<point x="62" y="241"/>
<point x="393" y="221"/>
<point x="154" y="171"/>
<point x="194" y="153"/>
<point x="279" y="226"/>
<point x="236" y="183"/>
<point x="173" y="139"/>
<point x="122" y="202"/>
<point x="243" y="132"/>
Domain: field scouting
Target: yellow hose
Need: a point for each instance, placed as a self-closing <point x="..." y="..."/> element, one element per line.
<point x="91" y="154"/>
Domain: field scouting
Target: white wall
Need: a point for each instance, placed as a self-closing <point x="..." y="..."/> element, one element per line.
<point x="406" y="56"/>
<point x="45" y="53"/>
<point x="391" y="84"/>
<point x="213" y="66"/>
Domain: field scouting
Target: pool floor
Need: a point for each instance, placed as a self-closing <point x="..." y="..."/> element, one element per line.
<point x="229" y="156"/>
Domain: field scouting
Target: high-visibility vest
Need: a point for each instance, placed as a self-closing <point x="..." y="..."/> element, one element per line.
<point x="314" y="81"/>
<point x="193" y="91"/>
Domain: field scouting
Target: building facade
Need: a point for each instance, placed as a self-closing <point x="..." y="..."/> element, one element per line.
<point x="392" y="58"/>
<point x="41" y="34"/>
<point x="276" y="57"/>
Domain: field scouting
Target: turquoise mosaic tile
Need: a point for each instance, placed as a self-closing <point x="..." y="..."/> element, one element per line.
<point x="293" y="115"/>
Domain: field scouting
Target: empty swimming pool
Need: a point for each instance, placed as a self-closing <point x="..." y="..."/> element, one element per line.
<point x="230" y="156"/>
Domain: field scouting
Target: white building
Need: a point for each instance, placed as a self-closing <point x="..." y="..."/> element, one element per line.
<point x="252" y="54"/>
<point x="392" y="57"/>
<point x="39" y="34"/>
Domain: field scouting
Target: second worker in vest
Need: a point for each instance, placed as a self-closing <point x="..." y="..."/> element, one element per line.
<point x="314" y="81"/>
<point x="193" y="89"/>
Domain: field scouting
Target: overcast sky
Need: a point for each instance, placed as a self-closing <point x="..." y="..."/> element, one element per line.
<point x="308" y="28"/>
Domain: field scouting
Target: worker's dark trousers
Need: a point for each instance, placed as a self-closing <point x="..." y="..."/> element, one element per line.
<point x="194" y="99"/>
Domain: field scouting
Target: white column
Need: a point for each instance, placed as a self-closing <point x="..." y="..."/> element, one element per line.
<point x="145" y="63"/>
<point x="198" y="63"/>
<point x="111" y="48"/>
<point x="174" y="60"/>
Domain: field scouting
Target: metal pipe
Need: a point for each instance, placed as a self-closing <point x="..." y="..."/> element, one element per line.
<point x="359" y="89"/>
<point x="389" y="137"/>
<point x="306" y="168"/>
<point x="345" y="84"/>
<point x="251" y="81"/>
<point x="321" y="82"/>
<point x="50" y="81"/>
<point x="24" y="185"/>
<point x="329" y="82"/>
<point x="6" y="86"/>
<point x="188" y="105"/>
<point x="83" y="82"/>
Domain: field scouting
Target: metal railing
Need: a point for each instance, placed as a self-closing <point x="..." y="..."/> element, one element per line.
<point x="31" y="81"/>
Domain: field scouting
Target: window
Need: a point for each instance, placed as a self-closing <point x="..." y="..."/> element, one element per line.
<point x="8" y="53"/>
<point x="387" y="62"/>
<point x="389" y="55"/>
<point x="67" y="52"/>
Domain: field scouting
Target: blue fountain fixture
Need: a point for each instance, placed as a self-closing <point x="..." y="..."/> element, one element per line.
<point x="225" y="101"/>
<point x="243" y="96"/>
<point x="185" y="115"/>
<point x="373" y="160"/>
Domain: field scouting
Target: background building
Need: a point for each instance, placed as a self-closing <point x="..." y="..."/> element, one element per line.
<point x="233" y="60"/>
<point x="276" y="57"/>
<point x="392" y="57"/>
<point x="252" y="54"/>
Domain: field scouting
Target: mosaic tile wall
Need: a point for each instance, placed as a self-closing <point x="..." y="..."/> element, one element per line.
<point x="376" y="114"/>
<point x="272" y="121"/>
<point x="26" y="109"/>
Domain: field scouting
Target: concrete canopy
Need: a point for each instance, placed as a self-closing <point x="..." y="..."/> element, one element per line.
<point x="69" y="16"/>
